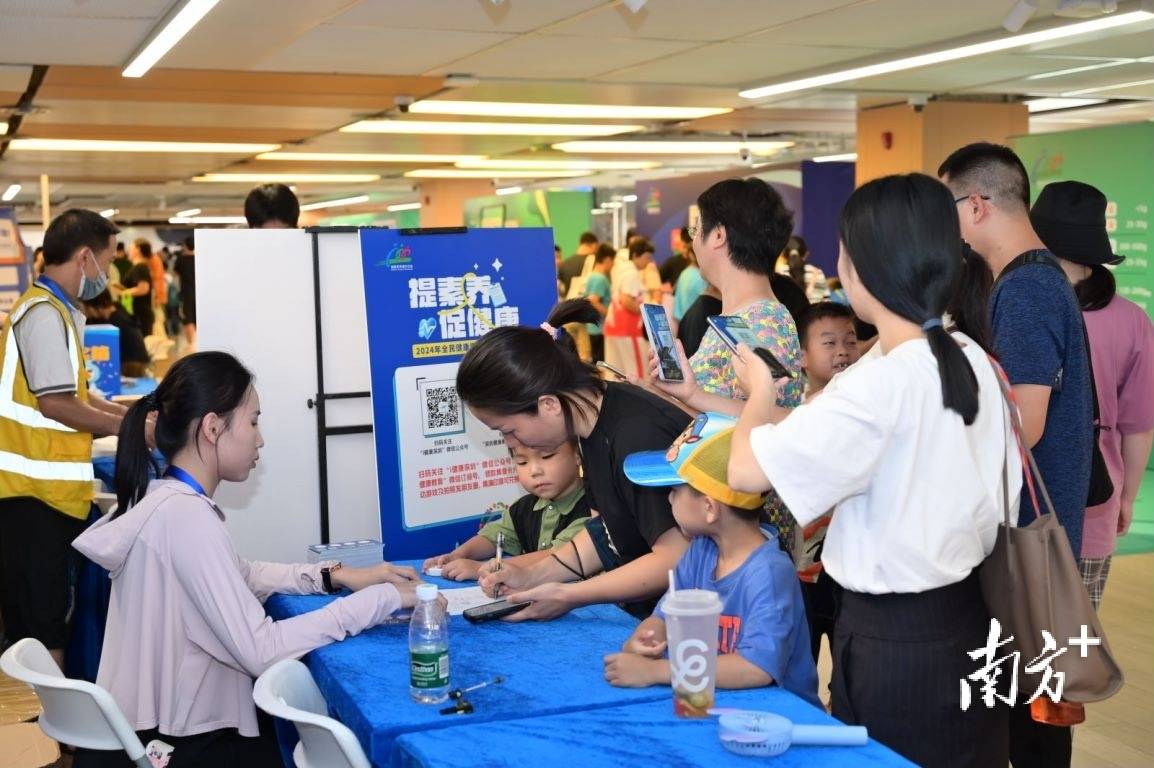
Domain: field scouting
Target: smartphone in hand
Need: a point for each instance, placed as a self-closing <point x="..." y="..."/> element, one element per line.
<point x="661" y="337"/>
<point x="615" y="371"/>
<point x="734" y="331"/>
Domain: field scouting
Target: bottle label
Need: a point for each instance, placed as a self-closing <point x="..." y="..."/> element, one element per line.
<point x="429" y="670"/>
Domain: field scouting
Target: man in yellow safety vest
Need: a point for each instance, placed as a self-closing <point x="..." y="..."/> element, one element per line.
<point x="47" y="421"/>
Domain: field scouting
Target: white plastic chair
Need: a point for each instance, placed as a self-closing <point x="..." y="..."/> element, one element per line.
<point x="76" y="712"/>
<point x="287" y="690"/>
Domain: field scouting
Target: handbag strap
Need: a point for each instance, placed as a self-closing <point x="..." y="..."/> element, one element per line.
<point x="1032" y="475"/>
<point x="1048" y="259"/>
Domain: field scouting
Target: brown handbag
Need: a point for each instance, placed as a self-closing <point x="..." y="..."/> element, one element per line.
<point x="1031" y="582"/>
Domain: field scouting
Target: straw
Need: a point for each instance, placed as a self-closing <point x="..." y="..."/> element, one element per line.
<point x="672" y="586"/>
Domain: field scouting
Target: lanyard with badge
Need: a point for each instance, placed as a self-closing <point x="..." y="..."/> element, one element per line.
<point x="176" y="473"/>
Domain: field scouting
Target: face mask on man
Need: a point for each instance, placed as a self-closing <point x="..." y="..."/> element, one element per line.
<point x="91" y="287"/>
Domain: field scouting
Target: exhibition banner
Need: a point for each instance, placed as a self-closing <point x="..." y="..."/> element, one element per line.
<point x="429" y="296"/>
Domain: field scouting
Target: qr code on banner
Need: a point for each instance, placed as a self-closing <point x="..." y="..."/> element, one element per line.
<point x="442" y="411"/>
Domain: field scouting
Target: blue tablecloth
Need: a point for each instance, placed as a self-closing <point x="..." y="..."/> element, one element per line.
<point x="550" y="668"/>
<point x="633" y="735"/>
<point x="137" y="387"/>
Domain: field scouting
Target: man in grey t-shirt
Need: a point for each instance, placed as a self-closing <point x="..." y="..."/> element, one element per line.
<point x="47" y="420"/>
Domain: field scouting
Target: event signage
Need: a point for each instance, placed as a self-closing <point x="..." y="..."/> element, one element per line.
<point x="429" y="296"/>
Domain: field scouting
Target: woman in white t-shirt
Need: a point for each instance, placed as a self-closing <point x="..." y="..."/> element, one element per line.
<point x="625" y="346"/>
<point x="910" y="449"/>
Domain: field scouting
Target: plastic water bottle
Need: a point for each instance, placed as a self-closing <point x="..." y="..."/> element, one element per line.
<point x="428" y="648"/>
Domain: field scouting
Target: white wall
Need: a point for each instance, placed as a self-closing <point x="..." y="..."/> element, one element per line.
<point x="255" y="300"/>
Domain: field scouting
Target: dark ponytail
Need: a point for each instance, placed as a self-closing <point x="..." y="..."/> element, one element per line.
<point x="509" y="369"/>
<point x="197" y="385"/>
<point x="970" y="306"/>
<point x="902" y="235"/>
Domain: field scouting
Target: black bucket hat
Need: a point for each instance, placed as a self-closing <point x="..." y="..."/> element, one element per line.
<point x="1070" y="218"/>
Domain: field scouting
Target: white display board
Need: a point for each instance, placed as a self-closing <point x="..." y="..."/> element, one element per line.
<point x="255" y="300"/>
<point x="427" y="482"/>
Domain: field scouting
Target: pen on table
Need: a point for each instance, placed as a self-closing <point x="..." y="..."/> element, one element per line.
<point x="500" y="548"/>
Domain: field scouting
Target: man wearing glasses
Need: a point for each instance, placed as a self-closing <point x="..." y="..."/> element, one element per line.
<point x="1038" y="338"/>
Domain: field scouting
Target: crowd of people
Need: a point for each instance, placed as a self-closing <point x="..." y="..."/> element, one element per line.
<point x="854" y="498"/>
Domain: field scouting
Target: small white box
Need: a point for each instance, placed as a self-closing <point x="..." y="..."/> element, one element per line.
<point x="353" y="554"/>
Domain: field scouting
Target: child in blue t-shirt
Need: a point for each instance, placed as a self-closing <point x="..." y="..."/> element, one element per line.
<point x="598" y="291"/>
<point x="763" y="636"/>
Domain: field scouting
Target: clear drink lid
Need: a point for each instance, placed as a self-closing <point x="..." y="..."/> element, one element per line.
<point x="691" y="602"/>
<point x="426" y="592"/>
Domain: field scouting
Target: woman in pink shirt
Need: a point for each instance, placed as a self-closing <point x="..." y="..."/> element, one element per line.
<point x="186" y="631"/>
<point x="1070" y="217"/>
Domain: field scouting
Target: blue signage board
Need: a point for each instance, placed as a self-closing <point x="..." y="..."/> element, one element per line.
<point x="429" y="296"/>
<point x="15" y="271"/>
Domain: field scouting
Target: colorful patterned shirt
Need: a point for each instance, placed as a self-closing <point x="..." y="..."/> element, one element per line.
<point x="772" y="323"/>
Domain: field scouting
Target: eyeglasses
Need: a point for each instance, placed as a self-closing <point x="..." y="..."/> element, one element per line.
<point x="967" y="197"/>
<point x="693" y="231"/>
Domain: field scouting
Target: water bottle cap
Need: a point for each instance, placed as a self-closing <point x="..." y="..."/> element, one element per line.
<point x="426" y="592"/>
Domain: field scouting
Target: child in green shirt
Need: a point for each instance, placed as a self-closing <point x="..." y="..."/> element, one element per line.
<point x="552" y="512"/>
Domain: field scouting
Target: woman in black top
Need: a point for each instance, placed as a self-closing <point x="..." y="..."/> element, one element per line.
<point x="186" y="271"/>
<point x="138" y="285"/>
<point x="529" y="383"/>
<point x="134" y="357"/>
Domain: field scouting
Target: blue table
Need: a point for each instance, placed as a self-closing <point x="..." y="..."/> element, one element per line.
<point x="550" y="668"/>
<point x="633" y="735"/>
<point x="554" y="703"/>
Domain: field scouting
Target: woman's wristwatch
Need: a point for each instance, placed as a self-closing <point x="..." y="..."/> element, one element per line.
<point x="327" y="577"/>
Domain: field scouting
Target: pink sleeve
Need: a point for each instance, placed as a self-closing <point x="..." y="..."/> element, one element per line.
<point x="241" y="635"/>
<point x="265" y="579"/>
<point x="1136" y="387"/>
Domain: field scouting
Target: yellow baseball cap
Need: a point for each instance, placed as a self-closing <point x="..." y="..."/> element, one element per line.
<point x="699" y="457"/>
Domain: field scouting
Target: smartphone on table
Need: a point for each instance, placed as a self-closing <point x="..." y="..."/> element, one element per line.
<point x="734" y="330"/>
<point x="497" y="609"/>
<point x="661" y="337"/>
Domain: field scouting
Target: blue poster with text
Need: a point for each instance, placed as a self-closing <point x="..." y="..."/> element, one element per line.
<point x="429" y="296"/>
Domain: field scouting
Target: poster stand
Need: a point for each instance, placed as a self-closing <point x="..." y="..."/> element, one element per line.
<point x="321" y="397"/>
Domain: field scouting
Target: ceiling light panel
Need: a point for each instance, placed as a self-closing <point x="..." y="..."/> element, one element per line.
<point x="288" y="178"/>
<point x="948" y="54"/>
<point x="102" y="145"/>
<point x="552" y="165"/>
<point x="561" y="111"/>
<point x="454" y="128"/>
<point x="503" y="173"/>
<point x="178" y="24"/>
<point x="366" y="157"/>
<point x="673" y="147"/>
<point x="343" y="201"/>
